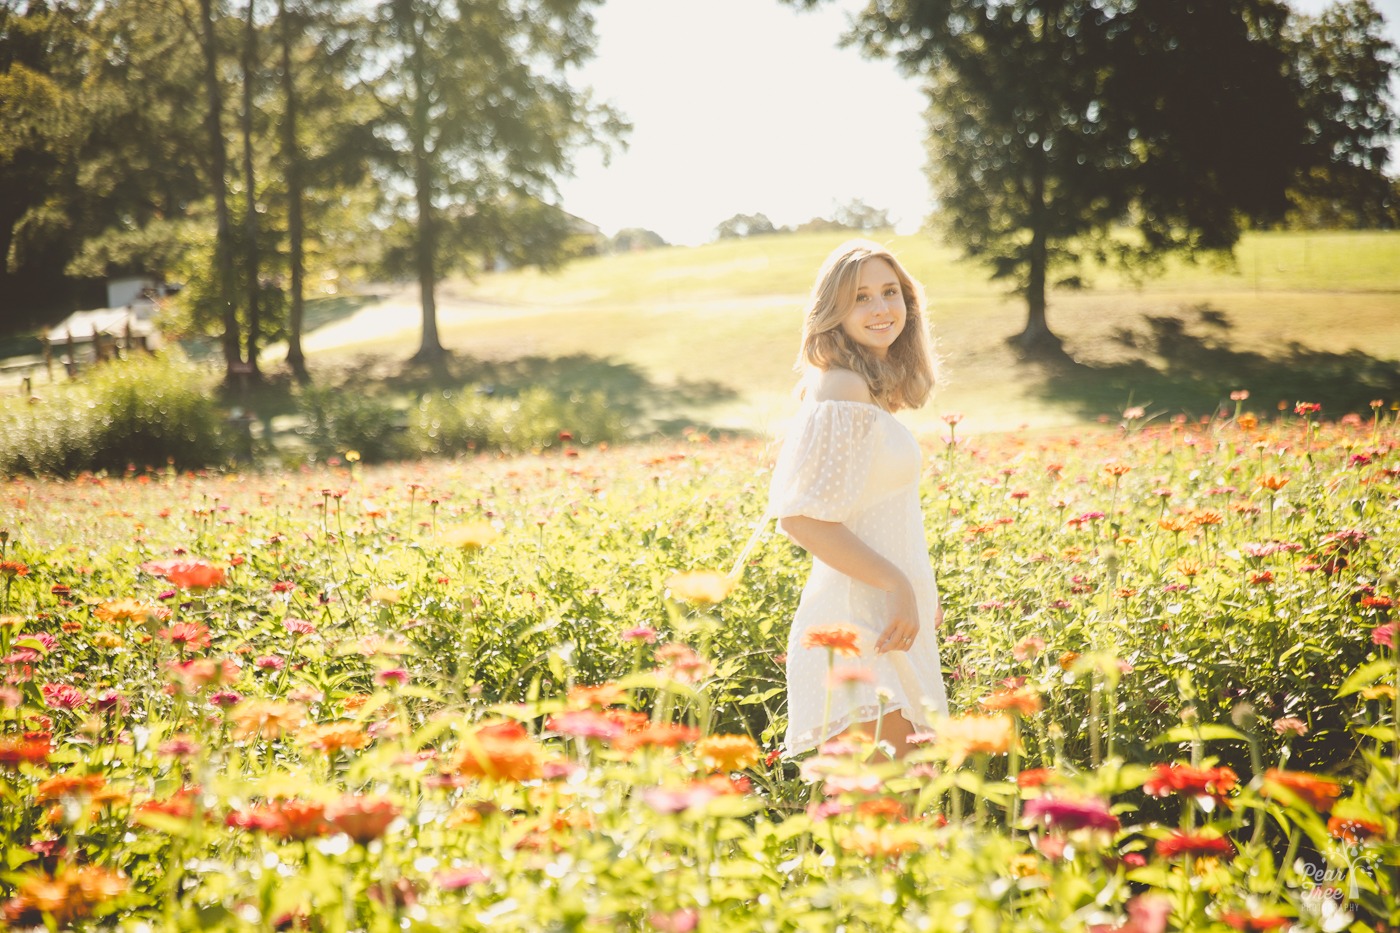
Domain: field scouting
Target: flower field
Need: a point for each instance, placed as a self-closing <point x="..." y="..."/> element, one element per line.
<point x="520" y="695"/>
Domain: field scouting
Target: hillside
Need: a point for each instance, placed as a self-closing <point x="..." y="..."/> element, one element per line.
<point x="1298" y="316"/>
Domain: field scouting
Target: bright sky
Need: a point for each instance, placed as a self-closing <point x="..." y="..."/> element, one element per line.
<point x="748" y="106"/>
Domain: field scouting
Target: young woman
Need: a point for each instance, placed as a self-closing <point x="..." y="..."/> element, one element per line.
<point x="846" y="489"/>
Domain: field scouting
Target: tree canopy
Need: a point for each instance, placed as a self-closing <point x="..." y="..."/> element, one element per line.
<point x="1121" y="130"/>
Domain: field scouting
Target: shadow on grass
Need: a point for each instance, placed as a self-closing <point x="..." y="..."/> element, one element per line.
<point x="627" y="389"/>
<point x="1188" y="365"/>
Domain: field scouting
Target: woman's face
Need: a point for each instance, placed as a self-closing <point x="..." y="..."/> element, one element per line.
<point x="877" y="318"/>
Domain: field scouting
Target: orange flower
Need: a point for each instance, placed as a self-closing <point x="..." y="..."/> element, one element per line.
<point x="502" y="751"/>
<point x="973" y="735"/>
<point x="1247" y="421"/>
<point x="603" y="695"/>
<point x="700" y="587"/>
<point x="1067" y="660"/>
<point x="130" y="610"/>
<point x="363" y="818"/>
<point x="1317" y="792"/>
<point x="1117" y="469"/>
<point x="1173" y="524"/>
<point x="66" y="896"/>
<point x="1353" y="830"/>
<point x="728" y="752"/>
<point x="883" y="808"/>
<point x="334" y="736"/>
<point x="656" y="735"/>
<point x="1188" y="567"/>
<point x="1023" y="700"/>
<point x="1272" y="482"/>
<point x="840" y="638"/>
<point x="69" y="785"/>
<point x="1206" y="517"/>
<point x="265" y="719"/>
<point x="881" y="842"/>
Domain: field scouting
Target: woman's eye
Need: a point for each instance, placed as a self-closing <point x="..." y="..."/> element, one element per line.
<point x="860" y="298"/>
<point x="892" y="293"/>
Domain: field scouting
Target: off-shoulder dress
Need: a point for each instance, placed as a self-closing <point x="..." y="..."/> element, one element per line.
<point x="855" y="463"/>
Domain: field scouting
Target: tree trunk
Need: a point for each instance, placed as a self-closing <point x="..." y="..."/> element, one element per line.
<point x="218" y="181"/>
<point x="430" y="350"/>
<point x="291" y="157"/>
<point x="1037" y="339"/>
<point x="250" y="200"/>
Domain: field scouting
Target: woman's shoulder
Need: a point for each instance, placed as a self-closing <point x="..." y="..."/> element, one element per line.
<point x="839" y="385"/>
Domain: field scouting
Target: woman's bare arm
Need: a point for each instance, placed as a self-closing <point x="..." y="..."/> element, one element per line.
<point x="838" y="547"/>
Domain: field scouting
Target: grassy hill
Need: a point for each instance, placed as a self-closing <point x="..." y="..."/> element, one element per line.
<point x="712" y="330"/>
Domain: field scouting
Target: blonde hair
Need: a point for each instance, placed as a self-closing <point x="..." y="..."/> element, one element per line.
<point x="907" y="374"/>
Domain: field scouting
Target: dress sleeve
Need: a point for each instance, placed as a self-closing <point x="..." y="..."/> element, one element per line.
<point x="825" y="462"/>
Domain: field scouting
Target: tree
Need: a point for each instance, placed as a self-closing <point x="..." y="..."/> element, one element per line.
<point x="1345" y="64"/>
<point x="1054" y="123"/>
<point x="631" y="239"/>
<point x="857" y="215"/>
<point x="745" y="225"/>
<point x="481" y="119"/>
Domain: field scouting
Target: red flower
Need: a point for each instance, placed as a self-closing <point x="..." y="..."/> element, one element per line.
<point x="1179" y="843"/>
<point x="13" y="568"/>
<point x="31" y="747"/>
<point x="1192" y="782"/>
<point x="1384" y="635"/>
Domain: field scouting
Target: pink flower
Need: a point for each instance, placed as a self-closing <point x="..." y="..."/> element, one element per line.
<point x="642" y="633"/>
<point x="584" y="724"/>
<point x="269" y="662"/>
<point x="63" y="696"/>
<point x="298" y="626"/>
<point x="1384" y="635"/>
<point x="396" y="676"/>
<point x="1058" y="813"/>
<point x="1027" y="649"/>
<point x="850" y="674"/>
<point x="1290" y="726"/>
<point x="455" y="879"/>
<point x="677" y="921"/>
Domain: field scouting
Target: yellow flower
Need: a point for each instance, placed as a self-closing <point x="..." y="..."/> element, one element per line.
<point x="384" y="595"/>
<point x="700" y="587"/>
<point x="470" y="537"/>
<point x="973" y="735"/>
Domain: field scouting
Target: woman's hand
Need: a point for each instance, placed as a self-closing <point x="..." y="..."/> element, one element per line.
<point x="904" y="619"/>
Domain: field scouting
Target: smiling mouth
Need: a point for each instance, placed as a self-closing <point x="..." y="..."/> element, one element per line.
<point x="881" y="328"/>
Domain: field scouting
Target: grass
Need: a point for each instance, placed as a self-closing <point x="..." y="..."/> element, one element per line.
<point x="727" y="315"/>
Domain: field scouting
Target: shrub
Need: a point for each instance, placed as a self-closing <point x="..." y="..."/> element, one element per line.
<point x="461" y="421"/>
<point x="341" y="419"/>
<point x="141" y="412"/>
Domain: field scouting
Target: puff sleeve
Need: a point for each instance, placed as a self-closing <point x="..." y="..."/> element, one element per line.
<point x="825" y="463"/>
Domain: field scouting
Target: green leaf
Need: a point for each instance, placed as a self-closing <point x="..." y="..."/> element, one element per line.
<point x="1207" y="733"/>
<point x="1365" y="675"/>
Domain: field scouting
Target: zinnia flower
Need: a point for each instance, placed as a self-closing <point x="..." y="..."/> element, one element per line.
<point x="362" y="817"/>
<point x="1353" y="829"/>
<point x="1022" y="700"/>
<point x="63" y="696"/>
<point x="1317" y="792"/>
<point x="130" y="610"/>
<point x="265" y="719"/>
<point x="1168" y="779"/>
<point x="30" y="747"/>
<point x="728" y="752"/>
<point x="840" y="638"/>
<point x="1199" y="844"/>
<point x="187" y="635"/>
<point x="1253" y="923"/>
<point x="1064" y="814"/>
<point x="700" y="587"/>
<point x="196" y="574"/>
<point x="470" y="537"/>
<point x="502" y="751"/>
<point x="584" y="724"/>
<point x="972" y="735"/>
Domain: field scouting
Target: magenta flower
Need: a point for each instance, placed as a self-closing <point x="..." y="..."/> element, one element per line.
<point x="1058" y="813"/>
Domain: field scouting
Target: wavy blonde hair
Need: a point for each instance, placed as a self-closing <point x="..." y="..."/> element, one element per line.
<point x="907" y="374"/>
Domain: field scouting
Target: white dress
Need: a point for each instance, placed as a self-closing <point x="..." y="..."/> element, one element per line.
<point x="855" y="463"/>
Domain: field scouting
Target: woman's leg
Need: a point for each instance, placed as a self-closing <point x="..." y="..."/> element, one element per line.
<point x="894" y="729"/>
